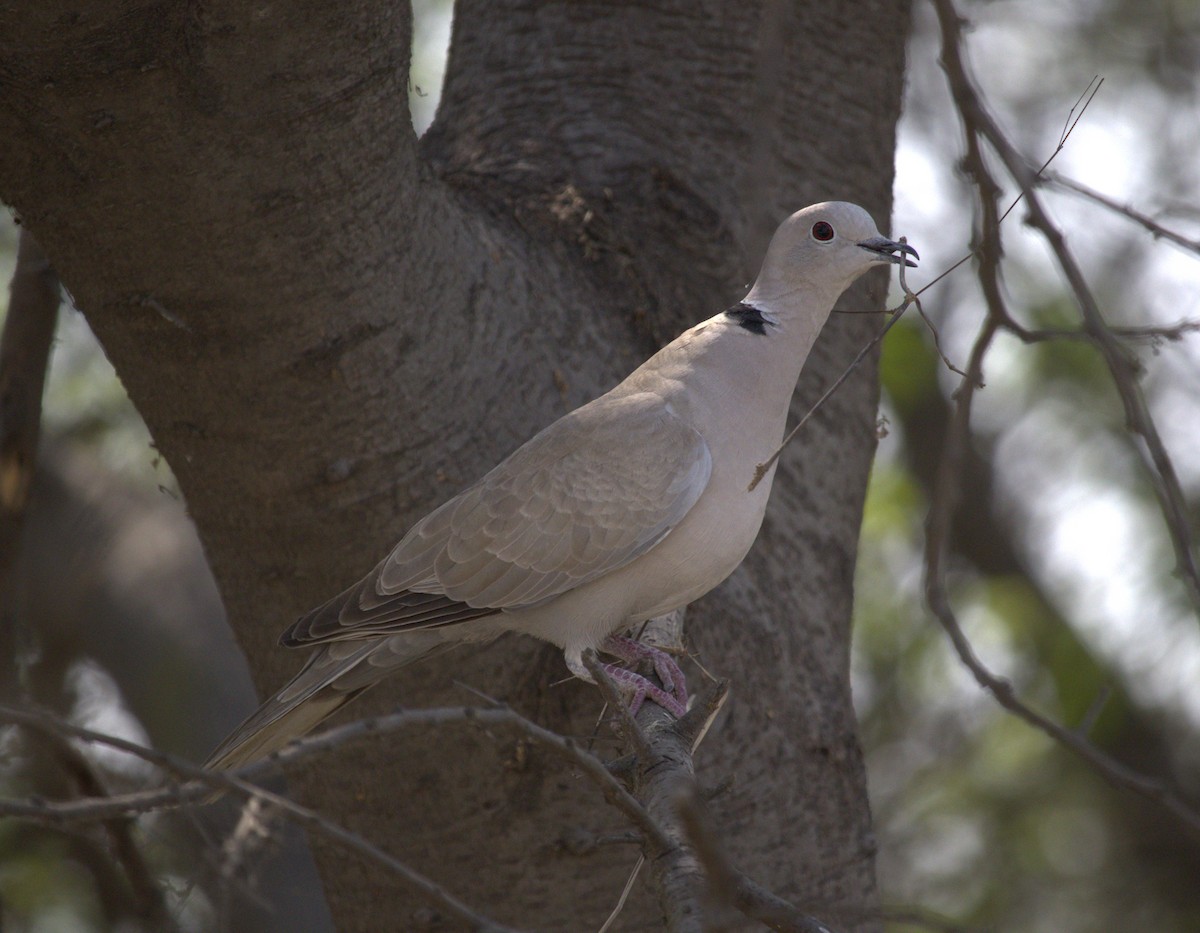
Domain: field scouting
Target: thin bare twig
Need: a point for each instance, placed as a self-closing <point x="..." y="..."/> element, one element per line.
<point x="662" y="748"/>
<point x="910" y="298"/>
<point x="1073" y="117"/>
<point x="566" y="748"/>
<point x="620" y="905"/>
<point x="663" y="778"/>
<point x="1148" y="223"/>
<point x="761" y="469"/>
<point x="430" y="889"/>
<point x="1169" y="333"/>
<point x="205" y="781"/>
<point x="771" y="910"/>
<point x="666" y="762"/>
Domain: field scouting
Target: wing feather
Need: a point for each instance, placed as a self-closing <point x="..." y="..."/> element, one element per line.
<point x="587" y="495"/>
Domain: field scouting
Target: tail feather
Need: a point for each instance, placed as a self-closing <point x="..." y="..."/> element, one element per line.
<point x="334" y="675"/>
<point x="307" y="699"/>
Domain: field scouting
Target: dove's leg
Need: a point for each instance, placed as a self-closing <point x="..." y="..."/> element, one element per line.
<point x="673" y="698"/>
<point x="641" y="689"/>
<point x="632" y="682"/>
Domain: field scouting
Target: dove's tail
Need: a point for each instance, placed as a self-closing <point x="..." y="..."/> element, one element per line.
<point x="334" y="675"/>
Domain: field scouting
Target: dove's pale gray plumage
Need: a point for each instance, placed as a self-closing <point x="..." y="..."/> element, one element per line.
<point x="629" y="507"/>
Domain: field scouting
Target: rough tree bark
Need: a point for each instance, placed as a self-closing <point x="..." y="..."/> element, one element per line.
<point x="329" y="327"/>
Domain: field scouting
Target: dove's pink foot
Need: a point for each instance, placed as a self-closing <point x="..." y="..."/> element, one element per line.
<point x="672" y="696"/>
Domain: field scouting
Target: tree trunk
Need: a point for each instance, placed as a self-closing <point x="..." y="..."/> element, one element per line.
<point x="330" y="328"/>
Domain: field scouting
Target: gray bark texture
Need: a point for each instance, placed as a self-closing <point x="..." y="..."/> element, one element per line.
<point x="330" y="327"/>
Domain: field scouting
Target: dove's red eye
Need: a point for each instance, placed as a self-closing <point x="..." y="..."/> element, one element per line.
<point x="822" y="231"/>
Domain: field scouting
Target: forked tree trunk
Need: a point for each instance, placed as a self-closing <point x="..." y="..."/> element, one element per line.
<point x="330" y="327"/>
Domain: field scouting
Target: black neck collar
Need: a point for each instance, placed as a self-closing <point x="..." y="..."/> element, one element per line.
<point x="749" y="318"/>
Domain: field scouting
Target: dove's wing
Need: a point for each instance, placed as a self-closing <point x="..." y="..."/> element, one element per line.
<point x="592" y="492"/>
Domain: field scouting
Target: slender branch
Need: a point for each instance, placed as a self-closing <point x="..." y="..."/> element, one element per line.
<point x="566" y="748"/>
<point x="663" y="779"/>
<point x="624" y="898"/>
<point x="1147" y="223"/>
<point x="910" y="298"/>
<point x="771" y="910"/>
<point x="1073" y="117"/>
<point x="659" y="781"/>
<point x="1169" y="333"/>
<point x="663" y="756"/>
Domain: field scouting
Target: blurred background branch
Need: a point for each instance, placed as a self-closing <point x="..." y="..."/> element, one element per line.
<point x="24" y="354"/>
<point x="980" y="128"/>
<point x="1056" y="560"/>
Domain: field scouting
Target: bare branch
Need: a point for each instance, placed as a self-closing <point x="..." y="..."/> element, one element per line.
<point x="1169" y="333"/>
<point x="1074" y="115"/>
<point x="910" y="298"/>
<point x="663" y="778"/>
<point x="937" y="341"/>
<point x="1145" y="221"/>
<point x="620" y="905"/>
<point x="565" y="748"/>
<point x="1073" y="118"/>
<point x="1161" y="470"/>
<point x="978" y="125"/>
<point x="771" y="910"/>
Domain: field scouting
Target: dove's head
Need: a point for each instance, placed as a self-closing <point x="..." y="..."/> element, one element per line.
<point x="815" y="255"/>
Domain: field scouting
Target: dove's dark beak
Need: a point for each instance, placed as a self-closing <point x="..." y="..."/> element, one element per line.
<point x="890" y="250"/>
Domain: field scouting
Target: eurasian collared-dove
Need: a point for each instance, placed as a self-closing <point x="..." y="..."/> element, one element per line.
<point x="623" y="510"/>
